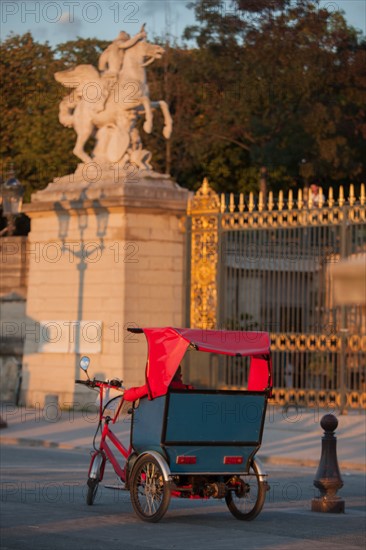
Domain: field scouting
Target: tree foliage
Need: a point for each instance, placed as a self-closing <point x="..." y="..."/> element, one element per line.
<point x="81" y="50"/>
<point x="268" y="83"/>
<point x="286" y="89"/>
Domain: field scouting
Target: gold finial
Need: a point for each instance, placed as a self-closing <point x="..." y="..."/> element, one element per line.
<point x="260" y="201"/>
<point x="300" y="202"/>
<point x="280" y="201"/>
<point x="205" y="186"/>
<point x="241" y="203"/>
<point x="223" y="203"/>
<point x="352" y="198"/>
<point x="330" y="197"/>
<point x="251" y="202"/>
<point x="320" y="197"/>
<point x="362" y="194"/>
<point x="341" y="196"/>
<point x="310" y="198"/>
<point x="205" y="199"/>
<point x="232" y="204"/>
<point x="290" y="203"/>
<point x="270" y="201"/>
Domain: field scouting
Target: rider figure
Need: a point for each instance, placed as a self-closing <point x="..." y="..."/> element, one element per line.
<point x="111" y="59"/>
<point x="137" y="392"/>
<point x="177" y="381"/>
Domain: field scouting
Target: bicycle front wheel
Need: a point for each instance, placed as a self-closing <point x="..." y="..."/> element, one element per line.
<point x="150" y="493"/>
<point x="93" y="485"/>
<point x="94" y="479"/>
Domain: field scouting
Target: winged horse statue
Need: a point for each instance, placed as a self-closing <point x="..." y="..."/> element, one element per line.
<point x="107" y="104"/>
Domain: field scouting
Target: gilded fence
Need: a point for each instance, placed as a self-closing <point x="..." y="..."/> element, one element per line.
<point x="261" y="264"/>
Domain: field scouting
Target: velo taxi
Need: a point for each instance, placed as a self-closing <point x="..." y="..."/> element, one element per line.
<point x="196" y="443"/>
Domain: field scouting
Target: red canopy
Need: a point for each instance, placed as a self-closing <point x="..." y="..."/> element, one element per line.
<point x="167" y="346"/>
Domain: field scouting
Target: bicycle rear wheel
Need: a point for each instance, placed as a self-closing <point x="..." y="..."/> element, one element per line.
<point x="150" y="493"/>
<point x="247" y="500"/>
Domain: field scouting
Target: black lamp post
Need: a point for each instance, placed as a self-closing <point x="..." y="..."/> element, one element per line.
<point x="12" y="199"/>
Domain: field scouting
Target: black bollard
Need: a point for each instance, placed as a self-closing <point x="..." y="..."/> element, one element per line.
<point x="3" y="424"/>
<point x="328" y="478"/>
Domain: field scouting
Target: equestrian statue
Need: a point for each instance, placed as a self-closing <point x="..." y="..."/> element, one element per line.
<point x="107" y="103"/>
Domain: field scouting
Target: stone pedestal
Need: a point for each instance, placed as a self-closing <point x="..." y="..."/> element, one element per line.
<point x="104" y="255"/>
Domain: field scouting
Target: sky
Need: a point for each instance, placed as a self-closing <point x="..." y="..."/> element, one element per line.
<point x="63" y="20"/>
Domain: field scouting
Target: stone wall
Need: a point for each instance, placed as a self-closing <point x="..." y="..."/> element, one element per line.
<point x="14" y="265"/>
<point x="106" y="257"/>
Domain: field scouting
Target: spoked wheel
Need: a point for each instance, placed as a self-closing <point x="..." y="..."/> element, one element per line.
<point x="150" y="494"/>
<point x="94" y="479"/>
<point x="246" y="501"/>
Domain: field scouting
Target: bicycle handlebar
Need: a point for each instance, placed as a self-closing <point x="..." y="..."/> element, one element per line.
<point x="100" y="383"/>
<point x="135" y="330"/>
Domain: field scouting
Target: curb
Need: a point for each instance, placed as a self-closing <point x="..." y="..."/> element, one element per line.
<point x="309" y="463"/>
<point x="273" y="460"/>
<point x="25" y="442"/>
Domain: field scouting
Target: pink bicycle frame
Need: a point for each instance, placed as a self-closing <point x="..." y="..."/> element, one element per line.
<point x="104" y="448"/>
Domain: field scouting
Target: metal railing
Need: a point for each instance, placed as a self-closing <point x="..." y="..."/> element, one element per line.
<point x="265" y="265"/>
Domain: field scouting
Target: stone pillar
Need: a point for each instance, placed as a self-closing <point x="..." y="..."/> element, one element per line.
<point x="104" y="255"/>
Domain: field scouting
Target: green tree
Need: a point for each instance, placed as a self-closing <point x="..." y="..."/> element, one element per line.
<point x="32" y="138"/>
<point x="81" y="51"/>
<point x="283" y="91"/>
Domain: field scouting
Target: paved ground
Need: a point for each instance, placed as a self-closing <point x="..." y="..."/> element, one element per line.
<point x="44" y="464"/>
<point x="43" y="507"/>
